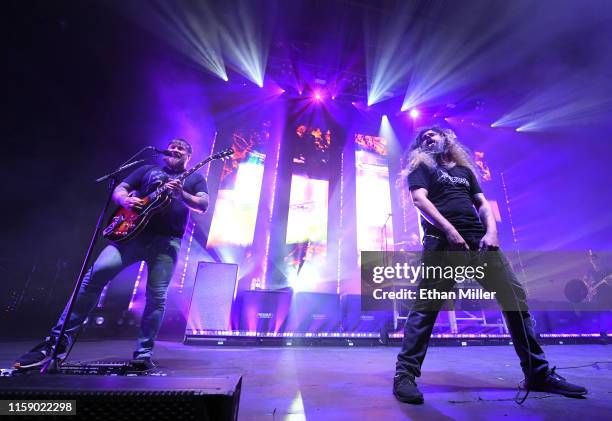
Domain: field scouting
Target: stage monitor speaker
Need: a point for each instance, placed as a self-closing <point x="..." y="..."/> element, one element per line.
<point x="356" y="320"/>
<point x="213" y="294"/>
<point x="130" y="398"/>
<point x="264" y="310"/>
<point x="314" y="312"/>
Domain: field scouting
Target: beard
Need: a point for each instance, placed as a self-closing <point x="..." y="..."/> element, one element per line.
<point x="436" y="149"/>
<point x="174" y="163"/>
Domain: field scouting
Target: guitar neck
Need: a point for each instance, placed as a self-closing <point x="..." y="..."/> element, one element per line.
<point x="190" y="171"/>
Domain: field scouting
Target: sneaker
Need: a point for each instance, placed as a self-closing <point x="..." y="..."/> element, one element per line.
<point x="143" y="363"/>
<point x="554" y="383"/>
<point x="405" y="389"/>
<point x="40" y="354"/>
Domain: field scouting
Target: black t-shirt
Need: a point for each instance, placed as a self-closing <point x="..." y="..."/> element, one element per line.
<point x="451" y="191"/>
<point x="172" y="219"/>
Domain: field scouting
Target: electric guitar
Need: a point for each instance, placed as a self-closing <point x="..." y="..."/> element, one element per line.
<point x="126" y="224"/>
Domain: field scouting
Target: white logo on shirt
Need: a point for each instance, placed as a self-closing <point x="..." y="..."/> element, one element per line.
<point x="444" y="177"/>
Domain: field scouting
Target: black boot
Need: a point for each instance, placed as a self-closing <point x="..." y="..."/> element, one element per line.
<point x="41" y="354"/>
<point x="406" y="390"/>
<point x="554" y="383"/>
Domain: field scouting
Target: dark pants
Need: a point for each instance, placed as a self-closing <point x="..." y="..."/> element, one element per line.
<point x="509" y="294"/>
<point x="159" y="253"/>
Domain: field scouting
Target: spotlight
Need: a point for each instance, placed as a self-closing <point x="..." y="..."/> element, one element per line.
<point x="386" y="131"/>
<point x="100" y="320"/>
<point x="414" y="113"/>
<point x="318" y="95"/>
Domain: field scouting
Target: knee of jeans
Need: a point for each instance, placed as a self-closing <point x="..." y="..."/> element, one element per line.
<point x="514" y="291"/>
<point x="97" y="278"/>
<point x="521" y="295"/>
<point x="93" y="285"/>
<point x="157" y="300"/>
<point x="510" y="301"/>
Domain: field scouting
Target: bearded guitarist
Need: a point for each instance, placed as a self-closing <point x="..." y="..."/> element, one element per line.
<point x="157" y="244"/>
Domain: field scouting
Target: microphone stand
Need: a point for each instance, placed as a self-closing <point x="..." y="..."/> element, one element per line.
<point x="53" y="365"/>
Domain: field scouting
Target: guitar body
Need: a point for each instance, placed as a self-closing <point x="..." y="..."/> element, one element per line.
<point x="126" y="224"/>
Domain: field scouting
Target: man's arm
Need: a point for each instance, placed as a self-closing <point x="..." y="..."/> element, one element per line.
<point x="429" y="211"/>
<point x="196" y="202"/>
<point x="121" y="196"/>
<point x="485" y="212"/>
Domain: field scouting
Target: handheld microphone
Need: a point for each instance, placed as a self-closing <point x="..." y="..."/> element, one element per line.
<point x="165" y="152"/>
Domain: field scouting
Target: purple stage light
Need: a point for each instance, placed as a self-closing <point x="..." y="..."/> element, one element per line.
<point x="138" y="278"/>
<point x="253" y="333"/>
<point x="400" y="335"/>
<point x="414" y="113"/>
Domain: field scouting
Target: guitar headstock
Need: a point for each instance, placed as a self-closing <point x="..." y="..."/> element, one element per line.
<point x="223" y="154"/>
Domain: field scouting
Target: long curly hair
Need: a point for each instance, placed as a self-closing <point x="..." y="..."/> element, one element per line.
<point x="457" y="153"/>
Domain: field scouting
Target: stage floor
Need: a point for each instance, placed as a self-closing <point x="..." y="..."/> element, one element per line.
<point x="332" y="383"/>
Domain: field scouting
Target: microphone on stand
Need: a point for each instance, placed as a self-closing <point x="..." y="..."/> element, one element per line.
<point x="165" y="152"/>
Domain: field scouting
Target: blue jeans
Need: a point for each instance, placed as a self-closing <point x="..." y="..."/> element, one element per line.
<point x="510" y="295"/>
<point x="160" y="254"/>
